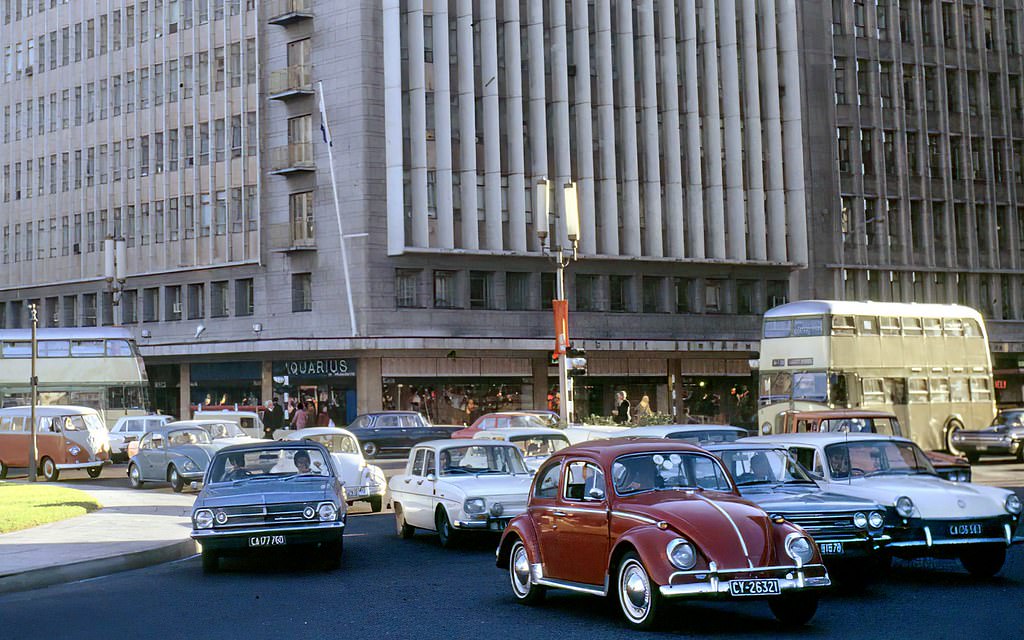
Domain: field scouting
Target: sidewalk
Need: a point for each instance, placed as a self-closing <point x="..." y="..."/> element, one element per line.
<point x="132" y="529"/>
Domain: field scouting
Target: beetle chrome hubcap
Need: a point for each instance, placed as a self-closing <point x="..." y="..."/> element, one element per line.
<point x="634" y="591"/>
<point x="520" y="570"/>
<point x="135" y="474"/>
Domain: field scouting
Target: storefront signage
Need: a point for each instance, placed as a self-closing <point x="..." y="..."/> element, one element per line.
<point x="321" y="368"/>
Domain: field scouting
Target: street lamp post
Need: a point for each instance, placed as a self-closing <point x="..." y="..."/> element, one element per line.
<point x="114" y="258"/>
<point x="33" y="463"/>
<point x="561" y="256"/>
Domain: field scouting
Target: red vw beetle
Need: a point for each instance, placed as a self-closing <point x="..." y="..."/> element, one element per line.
<point x="649" y="520"/>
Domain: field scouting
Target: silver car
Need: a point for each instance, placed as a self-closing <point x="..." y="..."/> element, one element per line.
<point x="179" y="455"/>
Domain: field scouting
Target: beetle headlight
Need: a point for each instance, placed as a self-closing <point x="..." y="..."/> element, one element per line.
<point x="328" y="512"/>
<point x="904" y="506"/>
<point x="475" y="506"/>
<point x="190" y="466"/>
<point x="203" y="519"/>
<point x="799" y="548"/>
<point x="681" y="554"/>
<point x="875" y="520"/>
<point x="860" y="520"/>
<point x="1013" y="504"/>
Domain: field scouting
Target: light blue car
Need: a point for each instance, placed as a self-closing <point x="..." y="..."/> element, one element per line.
<point x="179" y="455"/>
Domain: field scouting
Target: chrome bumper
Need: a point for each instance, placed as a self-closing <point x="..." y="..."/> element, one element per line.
<point x="199" y="534"/>
<point x="1008" y="539"/>
<point x="83" y="465"/>
<point x="715" y="581"/>
<point x="364" y="491"/>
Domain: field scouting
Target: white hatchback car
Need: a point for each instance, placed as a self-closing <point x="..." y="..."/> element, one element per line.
<point x="453" y="486"/>
<point x="363" y="482"/>
<point x="131" y="429"/>
<point x="698" y="434"/>
<point x="928" y="516"/>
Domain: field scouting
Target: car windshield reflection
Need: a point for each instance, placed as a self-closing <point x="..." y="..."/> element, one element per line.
<point x="762" y="466"/>
<point x="267" y="463"/>
<point x="474" y="459"/>
<point x="860" y="459"/>
<point x="637" y="473"/>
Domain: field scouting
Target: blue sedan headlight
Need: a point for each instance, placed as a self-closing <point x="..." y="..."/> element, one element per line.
<point x="203" y="519"/>
<point x="327" y="511"/>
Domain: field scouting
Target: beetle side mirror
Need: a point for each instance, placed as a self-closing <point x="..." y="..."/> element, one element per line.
<point x="595" y="494"/>
<point x="431" y="477"/>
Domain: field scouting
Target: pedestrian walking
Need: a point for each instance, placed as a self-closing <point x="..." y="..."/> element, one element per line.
<point x="620" y="414"/>
<point x="301" y="417"/>
<point x="322" y="418"/>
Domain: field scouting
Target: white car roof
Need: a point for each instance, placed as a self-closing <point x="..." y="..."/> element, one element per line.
<point x="48" y="410"/>
<point x="662" y="430"/>
<point x="449" y="444"/>
<point x="206" y="413"/>
<point x="317" y="431"/>
<point x="197" y="423"/>
<point x="820" y="439"/>
<point x="513" y="432"/>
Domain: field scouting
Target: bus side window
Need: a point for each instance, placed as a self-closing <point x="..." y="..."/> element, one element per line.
<point x="890" y="326"/>
<point x="873" y="391"/>
<point x="803" y="426"/>
<point x="6" y="423"/>
<point x="958" y="390"/>
<point x="980" y="390"/>
<point x="971" y="328"/>
<point x="918" y="390"/>
<point x="938" y="389"/>
<point x="932" y="326"/>
<point x="912" y="326"/>
<point x="867" y="326"/>
<point x="839" y="392"/>
<point x="896" y="390"/>
<point x="953" y="327"/>
<point x="843" y="326"/>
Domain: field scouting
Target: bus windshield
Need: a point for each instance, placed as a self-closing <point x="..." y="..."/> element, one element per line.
<point x="801" y="385"/>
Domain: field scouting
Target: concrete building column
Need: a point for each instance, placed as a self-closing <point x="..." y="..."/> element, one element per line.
<point x="735" y="198"/>
<point x="467" y="127"/>
<point x="492" y="126"/>
<point x="392" y="45"/>
<point x="538" y="103"/>
<point x="417" y="127"/>
<point x="792" y="129"/>
<point x="713" y="188"/>
<point x="694" y="179"/>
<point x="653" y="237"/>
<point x="369" y="385"/>
<point x="608" y="212"/>
<point x="758" y="247"/>
<point x="627" y="149"/>
<point x="184" y="391"/>
<point x="584" y="128"/>
<point x="774" y="186"/>
<point x="675" y="386"/>
<point x="560" y="112"/>
<point x="445" y="230"/>
<point x="517" y="240"/>
<point x="676" y="245"/>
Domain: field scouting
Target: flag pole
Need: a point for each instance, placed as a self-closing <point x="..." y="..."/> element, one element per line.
<point x="325" y="128"/>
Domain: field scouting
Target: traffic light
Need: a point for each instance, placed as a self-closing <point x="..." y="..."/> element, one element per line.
<point x="576" y="361"/>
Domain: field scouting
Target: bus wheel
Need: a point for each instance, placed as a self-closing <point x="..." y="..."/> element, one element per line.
<point x="953" y="426"/>
<point x="94" y="472"/>
<point x="50" y="471"/>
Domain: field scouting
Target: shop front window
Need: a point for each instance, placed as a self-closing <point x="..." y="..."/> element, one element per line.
<point x="457" y="401"/>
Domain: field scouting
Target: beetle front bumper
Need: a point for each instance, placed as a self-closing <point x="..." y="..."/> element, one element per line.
<point x="716" y="582"/>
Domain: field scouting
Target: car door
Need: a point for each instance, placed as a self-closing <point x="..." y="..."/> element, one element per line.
<point x="582" y="520"/>
<point x="414" y="429"/>
<point x="148" y="450"/>
<point x="543" y="504"/>
<point x="389" y="433"/>
<point x="408" y="489"/>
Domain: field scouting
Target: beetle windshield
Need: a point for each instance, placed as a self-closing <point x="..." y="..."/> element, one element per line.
<point x="179" y="437"/>
<point x="80" y="422"/>
<point x="871" y="458"/>
<point x="762" y="466"/>
<point x="639" y="472"/>
<point x="540" y="445"/>
<point x="268" y="462"/>
<point x="475" y="459"/>
<point x="219" y="430"/>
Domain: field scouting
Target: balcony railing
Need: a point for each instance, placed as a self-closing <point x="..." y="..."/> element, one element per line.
<point x="285" y="12"/>
<point x="292" y="158"/>
<point x="296" y="80"/>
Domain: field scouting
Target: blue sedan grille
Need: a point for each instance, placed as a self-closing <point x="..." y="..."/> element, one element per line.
<point x="284" y="513"/>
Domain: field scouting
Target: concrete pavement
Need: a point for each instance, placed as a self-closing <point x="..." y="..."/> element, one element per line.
<point x="132" y="529"/>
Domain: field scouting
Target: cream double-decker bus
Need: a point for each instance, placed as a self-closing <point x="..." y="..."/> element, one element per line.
<point x="98" y="368"/>
<point x="928" y="364"/>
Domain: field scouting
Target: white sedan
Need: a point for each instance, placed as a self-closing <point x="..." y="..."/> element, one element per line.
<point x="223" y="433"/>
<point x="130" y="429"/>
<point x="536" y="444"/>
<point x="363" y="482"/>
<point x="453" y="486"/>
<point x="927" y="515"/>
<point x="698" y="434"/>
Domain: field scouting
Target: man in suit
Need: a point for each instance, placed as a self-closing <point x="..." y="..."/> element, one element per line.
<point x="273" y="418"/>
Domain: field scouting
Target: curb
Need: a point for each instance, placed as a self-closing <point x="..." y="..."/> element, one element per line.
<point x="49" y="576"/>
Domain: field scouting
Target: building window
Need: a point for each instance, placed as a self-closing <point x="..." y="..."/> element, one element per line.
<point x="150" y="304"/>
<point x="777" y="292"/>
<point x="517" y="291"/>
<point x="444" y="290"/>
<point x="172" y="303"/>
<point x="219" y="299"/>
<point x="481" y="288"/>
<point x="89" y="310"/>
<point x="302" y="292"/>
<point x="684" y="294"/>
<point x="407" y="288"/>
<point x="746" y="297"/>
<point x="196" y="301"/>
<point x="652" y="295"/>
<point x="713" y="298"/>
<point x="547" y="290"/>
<point x="245" y="297"/>
<point x="129" y="307"/>
<point x="618" y="293"/>
<point x="301" y="207"/>
<point x="585" y="290"/>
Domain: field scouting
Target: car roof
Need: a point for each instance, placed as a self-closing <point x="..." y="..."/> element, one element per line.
<point x="608" y="450"/>
<point x="224" y="412"/>
<point x="388" y="413"/>
<point x="272" y="444"/>
<point x="842" y="413"/>
<point x="49" y="410"/>
<point x="664" y="429"/>
<point x="167" y="428"/>
<point x="512" y="432"/>
<point x="196" y="423"/>
<point x="742" y="445"/>
<point x="462" y="442"/>
<point x="317" y="431"/>
<point x="822" y="439"/>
